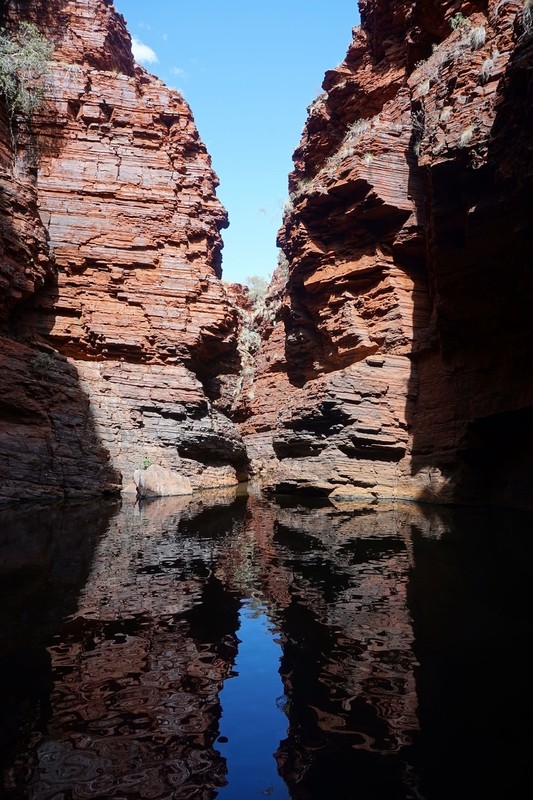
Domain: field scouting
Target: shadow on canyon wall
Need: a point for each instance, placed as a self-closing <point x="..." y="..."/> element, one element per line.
<point x="48" y="438"/>
<point x="469" y="401"/>
<point x="474" y="411"/>
<point x="49" y="443"/>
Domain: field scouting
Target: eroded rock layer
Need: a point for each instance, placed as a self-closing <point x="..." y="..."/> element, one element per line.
<point x="111" y="274"/>
<point x="397" y="362"/>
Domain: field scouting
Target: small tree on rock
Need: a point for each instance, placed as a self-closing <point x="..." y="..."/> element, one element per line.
<point x="24" y="57"/>
<point x="257" y="287"/>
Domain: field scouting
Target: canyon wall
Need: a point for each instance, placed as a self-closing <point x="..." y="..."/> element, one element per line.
<point x="397" y="332"/>
<point x="119" y="341"/>
<point x="396" y="336"/>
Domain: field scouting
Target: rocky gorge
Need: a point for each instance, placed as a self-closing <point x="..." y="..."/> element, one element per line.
<point x="117" y="328"/>
<point x="393" y="357"/>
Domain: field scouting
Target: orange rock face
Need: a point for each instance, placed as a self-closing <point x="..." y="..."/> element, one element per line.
<point x="113" y="244"/>
<point x="397" y="334"/>
<point x="394" y="365"/>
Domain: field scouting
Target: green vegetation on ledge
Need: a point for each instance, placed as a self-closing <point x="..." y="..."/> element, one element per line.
<point x="24" y="57"/>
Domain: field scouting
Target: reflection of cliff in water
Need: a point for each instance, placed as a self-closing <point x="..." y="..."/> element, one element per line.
<point x="470" y="599"/>
<point x="348" y="662"/>
<point x="46" y="553"/>
<point x="396" y="628"/>
<point x="138" y="668"/>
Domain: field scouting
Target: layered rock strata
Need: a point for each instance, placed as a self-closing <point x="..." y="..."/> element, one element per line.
<point x="395" y="365"/>
<point x="111" y="275"/>
<point x="394" y="357"/>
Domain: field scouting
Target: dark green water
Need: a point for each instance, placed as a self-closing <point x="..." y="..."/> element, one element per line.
<point x="237" y="648"/>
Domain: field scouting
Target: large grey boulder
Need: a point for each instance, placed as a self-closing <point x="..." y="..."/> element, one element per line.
<point x="157" y="481"/>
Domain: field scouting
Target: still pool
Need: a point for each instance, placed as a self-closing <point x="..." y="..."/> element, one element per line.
<point x="233" y="647"/>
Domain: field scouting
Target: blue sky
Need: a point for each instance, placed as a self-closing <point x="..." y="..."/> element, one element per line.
<point x="248" y="70"/>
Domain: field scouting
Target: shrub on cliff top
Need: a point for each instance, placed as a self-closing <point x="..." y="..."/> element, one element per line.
<point x="257" y="288"/>
<point x="458" y="21"/>
<point x="24" y="57"/>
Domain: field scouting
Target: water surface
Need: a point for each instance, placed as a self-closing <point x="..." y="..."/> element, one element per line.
<point x="253" y="722"/>
<point x="237" y="648"/>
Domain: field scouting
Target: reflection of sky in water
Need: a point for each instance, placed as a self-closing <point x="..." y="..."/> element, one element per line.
<point x="251" y="718"/>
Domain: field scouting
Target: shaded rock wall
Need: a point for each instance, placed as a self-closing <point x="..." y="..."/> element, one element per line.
<point x="396" y="365"/>
<point x="111" y="265"/>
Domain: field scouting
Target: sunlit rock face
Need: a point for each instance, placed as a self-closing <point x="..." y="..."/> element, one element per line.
<point x="111" y="265"/>
<point x="395" y="364"/>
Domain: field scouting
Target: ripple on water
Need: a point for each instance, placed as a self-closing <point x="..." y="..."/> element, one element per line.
<point x="243" y="648"/>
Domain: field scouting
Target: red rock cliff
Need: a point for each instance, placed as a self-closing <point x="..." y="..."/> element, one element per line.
<point x="119" y="341"/>
<point x="397" y="364"/>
